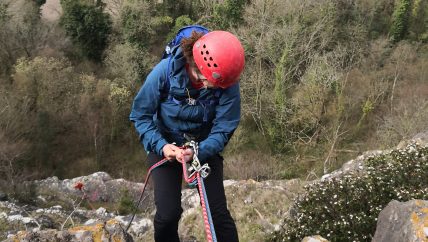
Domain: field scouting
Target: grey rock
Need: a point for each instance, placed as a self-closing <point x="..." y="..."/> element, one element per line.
<point x="108" y="231"/>
<point x="403" y="221"/>
<point x="45" y="222"/>
<point x="97" y="187"/>
<point x="353" y="166"/>
<point x="315" y="238"/>
<point x="420" y="139"/>
<point x="101" y="187"/>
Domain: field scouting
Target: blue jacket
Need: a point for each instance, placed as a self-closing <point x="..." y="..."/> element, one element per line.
<point x="163" y="116"/>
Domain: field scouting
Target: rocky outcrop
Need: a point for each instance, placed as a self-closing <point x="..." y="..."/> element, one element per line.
<point x="403" y="221"/>
<point x="42" y="222"/>
<point x="259" y="209"/>
<point x="357" y="165"/>
<point x="108" y="231"/>
<point x="421" y="138"/>
<point x="98" y="187"/>
<point x="251" y="203"/>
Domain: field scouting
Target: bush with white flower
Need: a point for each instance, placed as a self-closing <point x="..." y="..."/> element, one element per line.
<point x="346" y="208"/>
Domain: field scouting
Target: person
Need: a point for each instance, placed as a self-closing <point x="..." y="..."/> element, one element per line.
<point x="201" y="101"/>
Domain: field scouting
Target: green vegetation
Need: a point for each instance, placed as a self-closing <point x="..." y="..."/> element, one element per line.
<point x="339" y="209"/>
<point x="400" y="20"/>
<point x="87" y="25"/>
<point x="6" y="227"/>
<point x="126" y="204"/>
<point x="228" y="13"/>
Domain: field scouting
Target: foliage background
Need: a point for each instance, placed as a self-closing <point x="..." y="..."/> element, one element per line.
<point x="324" y="81"/>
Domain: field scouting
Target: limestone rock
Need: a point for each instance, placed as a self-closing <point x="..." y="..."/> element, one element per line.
<point x="315" y="238"/>
<point x="98" y="187"/>
<point x="258" y="208"/>
<point x="356" y="165"/>
<point x="108" y="231"/>
<point x="403" y="221"/>
<point x="420" y="139"/>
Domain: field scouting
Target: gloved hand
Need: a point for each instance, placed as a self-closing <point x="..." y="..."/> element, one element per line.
<point x="170" y="151"/>
<point x="184" y="155"/>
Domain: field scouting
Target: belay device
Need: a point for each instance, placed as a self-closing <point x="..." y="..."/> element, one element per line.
<point x="191" y="168"/>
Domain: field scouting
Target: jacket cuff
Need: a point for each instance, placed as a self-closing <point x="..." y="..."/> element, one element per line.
<point x="203" y="156"/>
<point x="159" y="146"/>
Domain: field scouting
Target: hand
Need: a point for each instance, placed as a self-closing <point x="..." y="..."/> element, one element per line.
<point x="170" y="151"/>
<point x="185" y="155"/>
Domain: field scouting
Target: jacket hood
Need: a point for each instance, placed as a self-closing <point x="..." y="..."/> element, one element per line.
<point x="177" y="61"/>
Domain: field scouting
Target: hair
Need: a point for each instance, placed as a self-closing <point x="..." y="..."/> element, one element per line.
<point x="187" y="45"/>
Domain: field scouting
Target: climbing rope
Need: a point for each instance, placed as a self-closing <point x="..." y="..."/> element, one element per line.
<point x="206" y="212"/>
<point x="157" y="164"/>
<point x="194" y="174"/>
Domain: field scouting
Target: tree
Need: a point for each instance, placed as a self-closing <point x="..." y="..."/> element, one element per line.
<point x="179" y="23"/>
<point x="229" y="13"/>
<point x="87" y="26"/>
<point x="419" y="20"/>
<point x="22" y="34"/>
<point x="176" y="8"/>
<point x="129" y="63"/>
<point x="50" y="89"/>
<point x="400" y="20"/>
<point x="141" y="26"/>
<point x="13" y="142"/>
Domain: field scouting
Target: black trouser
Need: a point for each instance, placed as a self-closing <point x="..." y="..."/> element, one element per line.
<point x="167" y="188"/>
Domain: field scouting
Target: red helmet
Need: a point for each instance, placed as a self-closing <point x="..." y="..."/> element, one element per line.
<point x="220" y="58"/>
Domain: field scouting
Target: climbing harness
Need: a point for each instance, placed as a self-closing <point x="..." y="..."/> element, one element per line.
<point x="194" y="174"/>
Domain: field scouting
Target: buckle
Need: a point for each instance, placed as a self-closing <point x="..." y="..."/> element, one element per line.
<point x="191" y="101"/>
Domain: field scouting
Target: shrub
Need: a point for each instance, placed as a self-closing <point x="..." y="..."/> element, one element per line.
<point x="180" y="22"/>
<point x="407" y="119"/>
<point x="400" y="20"/>
<point x="140" y="25"/>
<point x="22" y="33"/>
<point x="88" y="26"/>
<point x="346" y="208"/>
<point x="126" y="204"/>
<point x="418" y="19"/>
<point x="228" y="13"/>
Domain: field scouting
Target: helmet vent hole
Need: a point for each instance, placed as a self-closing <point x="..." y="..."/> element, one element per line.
<point x="215" y="65"/>
<point x="207" y="52"/>
<point x="209" y="65"/>
<point x="204" y="46"/>
<point x="211" y="58"/>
